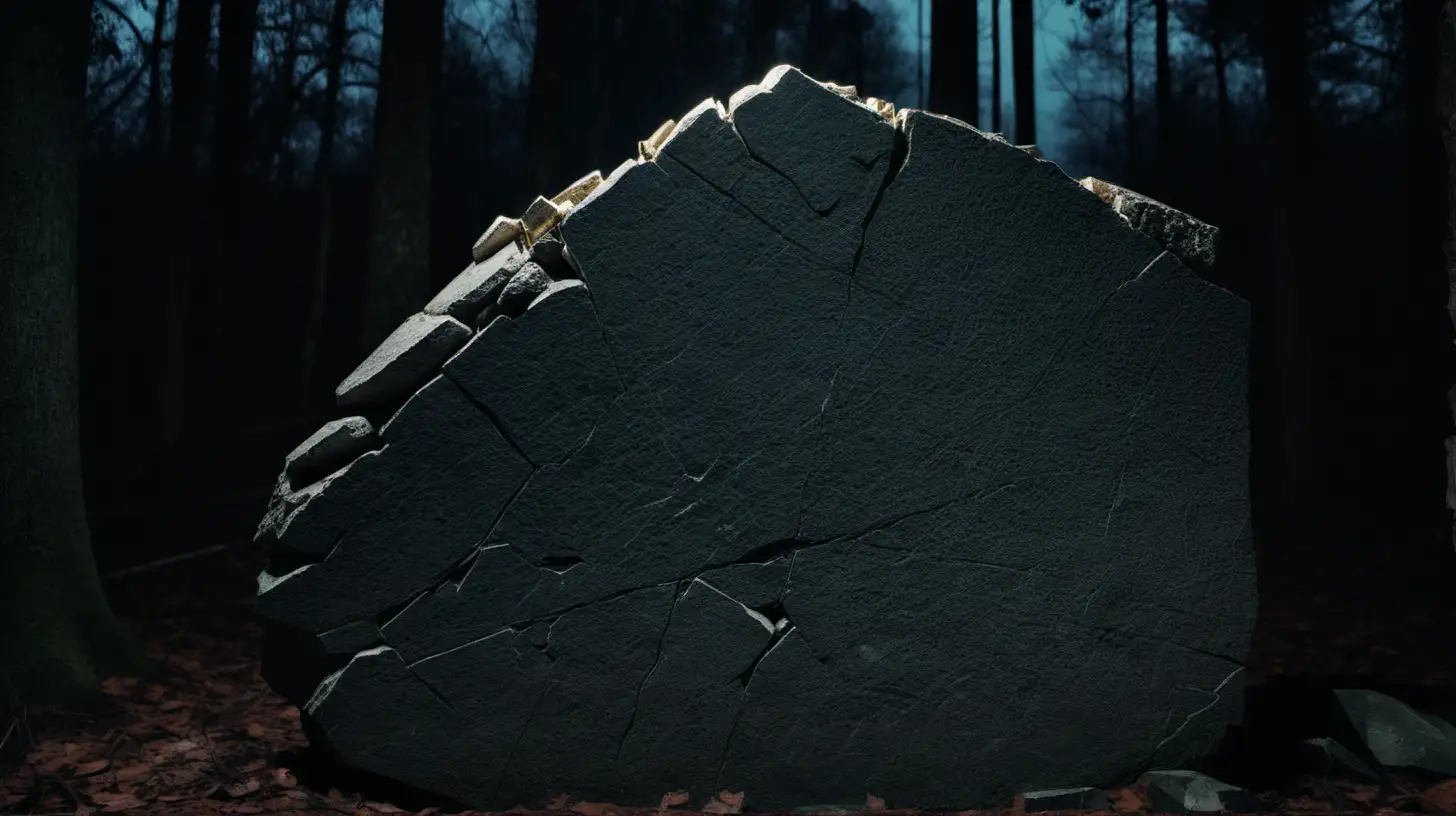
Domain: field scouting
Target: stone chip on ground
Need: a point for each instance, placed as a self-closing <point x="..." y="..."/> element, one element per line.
<point x="1193" y="792"/>
<point x="1394" y="734"/>
<point x="851" y="431"/>
<point x="1064" y="799"/>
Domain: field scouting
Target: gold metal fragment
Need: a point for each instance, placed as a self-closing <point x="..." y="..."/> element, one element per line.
<point x="578" y="190"/>
<point x="539" y="218"/>
<point x="501" y="232"/>
<point x="883" y="107"/>
<point x="647" y="148"/>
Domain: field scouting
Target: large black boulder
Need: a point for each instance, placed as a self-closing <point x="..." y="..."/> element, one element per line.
<point x="867" y="455"/>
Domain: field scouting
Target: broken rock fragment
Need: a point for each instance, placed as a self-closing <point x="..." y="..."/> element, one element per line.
<point x="864" y="454"/>
<point x="523" y="287"/>
<point x="478" y="286"/>
<point x="1192" y="792"/>
<point x="409" y="356"/>
<point x="1394" y="734"/>
<point x="1194" y="242"/>
<point x="330" y="447"/>
<point x="1064" y="799"/>
<point x="501" y="233"/>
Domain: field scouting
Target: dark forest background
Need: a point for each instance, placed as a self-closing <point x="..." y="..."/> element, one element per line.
<point x="269" y="186"/>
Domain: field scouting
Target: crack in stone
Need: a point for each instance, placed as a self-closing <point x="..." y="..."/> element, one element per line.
<point x="434" y="692"/>
<point x="746" y="678"/>
<point x="1216" y="697"/>
<point x="762" y="619"/>
<point x="951" y="559"/>
<point x="1112" y="630"/>
<point x="899" y="151"/>
<point x="637" y="701"/>
<point x="511" y="756"/>
<point x="812" y="254"/>
<point x="495" y="421"/>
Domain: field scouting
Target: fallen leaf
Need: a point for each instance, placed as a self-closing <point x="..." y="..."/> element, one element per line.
<point x="116" y="802"/>
<point x="726" y="802"/>
<point x="1307" y="804"/>
<point x="255" y="730"/>
<point x="559" y="802"/>
<point x="173" y="705"/>
<point x="283" y="779"/>
<point x="1439" y="798"/>
<point x="1364" y="794"/>
<point x="873" y="803"/>
<point x="594" y="808"/>
<point x="672" y="799"/>
<point x="238" y="790"/>
<point x="93" y="767"/>
<point x="133" y="772"/>
<point x="1127" y="800"/>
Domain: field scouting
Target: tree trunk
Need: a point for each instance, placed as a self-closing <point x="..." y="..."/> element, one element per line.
<point x="815" y="51"/>
<point x="225" y="285"/>
<point x="1129" y="92"/>
<point x="398" y="270"/>
<point x="996" y="66"/>
<point x="154" y="82"/>
<point x="1218" y="17"/>
<point x="1288" y="90"/>
<point x="763" y="31"/>
<point x="323" y="191"/>
<point x="858" y="22"/>
<point x="57" y="632"/>
<point x="1023" y="71"/>
<point x="1430" y="91"/>
<point x="189" y="61"/>
<point x="955" y="81"/>
<point x="1163" y="93"/>
<point x="288" y="75"/>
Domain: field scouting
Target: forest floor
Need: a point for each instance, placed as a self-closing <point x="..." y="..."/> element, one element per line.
<point x="206" y="735"/>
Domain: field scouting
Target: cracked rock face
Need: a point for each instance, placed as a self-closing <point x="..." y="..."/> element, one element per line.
<point x="865" y="454"/>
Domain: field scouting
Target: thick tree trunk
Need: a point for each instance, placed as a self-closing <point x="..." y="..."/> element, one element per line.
<point x="1217" y="11"/>
<point x="189" y="61"/>
<point x="1129" y="92"/>
<point x="955" y="59"/>
<point x="398" y="271"/>
<point x="1288" y="91"/>
<point x="815" y="50"/>
<point x="996" y="66"/>
<point x="1163" y="91"/>
<point x="1023" y="71"/>
<point x="57" y="633"/>
<point x="323" y="191"/>
<point x="154" y="82"/>
<point x="762" y="40"/>
<point x="1444" y="42"/>
<point x="226" y="285"/>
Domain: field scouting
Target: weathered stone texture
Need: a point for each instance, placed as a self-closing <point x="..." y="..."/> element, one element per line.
<point x="865" y="454"/>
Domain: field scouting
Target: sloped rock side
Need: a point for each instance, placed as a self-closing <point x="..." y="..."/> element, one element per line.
<point x="866" y="454"/>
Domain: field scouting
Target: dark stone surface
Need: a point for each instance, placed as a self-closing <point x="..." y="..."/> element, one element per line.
<point x="864" y="457"/>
